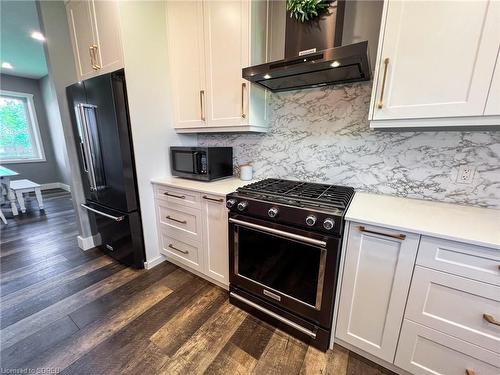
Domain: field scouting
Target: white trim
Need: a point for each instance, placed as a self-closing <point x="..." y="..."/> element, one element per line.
<point x="55" y="185"/>
<point x="87" y="243"/>
<point x="224" y="129"/>
<point x="197" y="273"/>
<point x="154" y="262"/>
<point x="445" y="122"/>
<point x="34" y="129"/>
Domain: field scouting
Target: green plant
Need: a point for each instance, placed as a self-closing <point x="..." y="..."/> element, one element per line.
<point x="305" y="10"/>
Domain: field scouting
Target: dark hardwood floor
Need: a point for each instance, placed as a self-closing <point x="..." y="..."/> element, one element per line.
<point x="79" y="312"/>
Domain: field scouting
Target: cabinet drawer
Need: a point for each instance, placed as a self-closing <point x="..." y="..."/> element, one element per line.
<point x="475" y="262"/>
<point x="179" y="196"/>
<point x="422" y="350"/>
<point x="184" y="218"/>
<point x="181" y="251"/>
<point x="455" y="305"/>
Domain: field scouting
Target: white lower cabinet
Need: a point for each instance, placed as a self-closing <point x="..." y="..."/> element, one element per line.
<point x="423" y="350"/>
<point x="376" y="279"/>
<point x="423" y="304"/>
<point x="192" y="227"/>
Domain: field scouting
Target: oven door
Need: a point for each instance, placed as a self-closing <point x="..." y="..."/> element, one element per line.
<point x="291" y="268"/>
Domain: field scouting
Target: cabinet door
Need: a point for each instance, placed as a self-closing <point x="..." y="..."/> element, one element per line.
<point x="226" y="52"/>
<point x="106" y="20"/>
<point x="216" y="253"/>
<point x="375" y="284"/>
<point x="82" y="36"/>
<point x="437" y="64"/>
<point x="493" y="103"/>
<point x="186" y="58"/>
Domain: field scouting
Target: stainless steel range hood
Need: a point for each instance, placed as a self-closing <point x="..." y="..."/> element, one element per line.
<point x="320" y="52"/>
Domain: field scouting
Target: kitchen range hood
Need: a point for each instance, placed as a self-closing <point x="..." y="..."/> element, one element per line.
<point x="314" y="55"/>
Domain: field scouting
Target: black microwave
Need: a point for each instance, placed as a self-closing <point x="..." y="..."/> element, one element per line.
<point x="201" y="163"/>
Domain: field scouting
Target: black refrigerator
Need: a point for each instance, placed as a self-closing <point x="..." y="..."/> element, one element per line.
<point x="99" y="113"/>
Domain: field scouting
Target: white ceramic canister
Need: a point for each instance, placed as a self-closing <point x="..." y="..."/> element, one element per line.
<point x="246" y="172"/>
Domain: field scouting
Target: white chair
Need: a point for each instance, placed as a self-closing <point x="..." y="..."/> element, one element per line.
<point x="19" y="187"/>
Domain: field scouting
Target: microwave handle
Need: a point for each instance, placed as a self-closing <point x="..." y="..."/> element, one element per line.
<point x="197" y="162"/>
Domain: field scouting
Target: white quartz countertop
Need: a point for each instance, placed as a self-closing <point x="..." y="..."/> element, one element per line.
<point x="478" y="226"/>
<point x="219" y="187"/>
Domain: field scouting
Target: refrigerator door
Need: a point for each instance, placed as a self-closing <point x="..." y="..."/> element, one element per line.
<point x="105" y="128"/>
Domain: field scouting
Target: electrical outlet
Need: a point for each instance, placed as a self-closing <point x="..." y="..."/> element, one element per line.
<point x="465" y="174"/>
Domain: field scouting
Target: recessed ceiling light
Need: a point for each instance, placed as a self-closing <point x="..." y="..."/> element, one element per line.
<point x="38" y="36"/>
<point x="7" y="65"/>
<point x="267" y="76"/>
<point x="335" y="64"/>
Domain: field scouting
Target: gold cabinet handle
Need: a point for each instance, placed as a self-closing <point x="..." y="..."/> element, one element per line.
<point x="396" y="236"/>
<point x="470" y="372"/>
<point x="243" y="87"/>
<point x="491" y="319"/>
<point x="176" y="249"/>
<point x="381" y="101"/>
<point x="92" y="60"/>
<point x="96" y="51"/>
<point x="176" y="220"/>
<point x="202" y="105"/>
<point x="213" y="199"/>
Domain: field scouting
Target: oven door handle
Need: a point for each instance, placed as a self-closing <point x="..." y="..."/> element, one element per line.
<point x="278" y="232"/>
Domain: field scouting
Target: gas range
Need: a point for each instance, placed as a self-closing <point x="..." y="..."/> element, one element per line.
<point x="316" y="207"/>
<point x="285" y="241"/>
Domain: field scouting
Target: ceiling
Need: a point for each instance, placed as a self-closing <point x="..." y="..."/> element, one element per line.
<point x="18" y="19"/>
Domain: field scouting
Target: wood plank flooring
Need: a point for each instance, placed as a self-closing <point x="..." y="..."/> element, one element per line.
<point x="78" y="312"/>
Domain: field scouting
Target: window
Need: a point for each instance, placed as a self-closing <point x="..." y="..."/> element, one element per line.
<point x="19" y="135"/>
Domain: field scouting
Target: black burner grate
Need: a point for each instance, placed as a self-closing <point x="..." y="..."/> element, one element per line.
<point x="337" y="196"/>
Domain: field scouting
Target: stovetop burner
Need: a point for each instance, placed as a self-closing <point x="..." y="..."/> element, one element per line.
<point x="300" y="193"/>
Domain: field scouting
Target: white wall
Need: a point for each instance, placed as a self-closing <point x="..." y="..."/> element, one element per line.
<point x="62" y="73"/>
<point x="56" y="130"/>
<point x="144" y="30"/>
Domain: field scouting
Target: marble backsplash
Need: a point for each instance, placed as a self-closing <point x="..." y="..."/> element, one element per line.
<point x="322" y="135"/>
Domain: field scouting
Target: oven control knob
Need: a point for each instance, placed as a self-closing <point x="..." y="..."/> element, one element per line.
<point x="311" y="220"/>
<point x="328" y="223"/>
<point x="273" y="212"/>
<point x="230" y="203"/>
<point x="242" y="205"/>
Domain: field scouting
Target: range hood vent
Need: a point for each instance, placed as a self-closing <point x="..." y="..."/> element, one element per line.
<point x="314" y="55"/>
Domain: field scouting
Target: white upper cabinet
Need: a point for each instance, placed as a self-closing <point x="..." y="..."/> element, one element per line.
<point x="493" y="103"/>
<point x="375" y="284"/>
<point x="186" y="58"/>
<point x="209" y="43"/>
<point x="95" y="35"/>
<point x="108" y="39"/>
<point x="435" y="60"/>
<point x="82" y="37"/>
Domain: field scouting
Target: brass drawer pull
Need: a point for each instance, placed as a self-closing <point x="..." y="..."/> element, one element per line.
<point x="91" y="53"/>
<point x="470" y="372"/>
<point x="491" y="319"/>
<point x="177" y="220"/>
<point x="381" y="101"/>
<point x="213" y="199"/>
<point x="176" y="249"/>
<point x="396" y="236"/>
<point x="202" y="106"/>
<point x="175" y="196"/>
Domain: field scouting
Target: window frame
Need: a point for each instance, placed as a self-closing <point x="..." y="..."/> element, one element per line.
<point x="34" y="129"/>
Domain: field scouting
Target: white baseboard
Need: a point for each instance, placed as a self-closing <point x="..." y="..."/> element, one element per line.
<point x="87" y="243"/>
<point x="154" y="262"/>
<point x="55" y="185"/>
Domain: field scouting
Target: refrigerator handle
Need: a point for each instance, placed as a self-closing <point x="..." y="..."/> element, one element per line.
<point x="86" y="146"/>
<point x="84" y="158"/>
<point x="115" y="218"/>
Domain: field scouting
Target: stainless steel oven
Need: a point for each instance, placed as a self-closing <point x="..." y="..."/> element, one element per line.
<point x="285" y="266"/>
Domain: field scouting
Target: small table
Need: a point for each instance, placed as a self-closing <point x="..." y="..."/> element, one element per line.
<point x="5" y="175"/>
